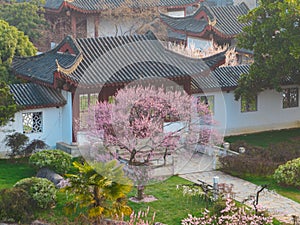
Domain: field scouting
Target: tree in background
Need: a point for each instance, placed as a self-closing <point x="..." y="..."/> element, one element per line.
<point x="135" y="127"/>
<point x="26" y="16"/>
<point x="12" y="43"/>
<point x="8" y="107"/>
<point x="273" y="34"/>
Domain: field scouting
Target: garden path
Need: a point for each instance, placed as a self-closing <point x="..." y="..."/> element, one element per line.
<point x="280" y="207"/>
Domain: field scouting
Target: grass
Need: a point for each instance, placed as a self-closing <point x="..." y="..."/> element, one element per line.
<point x="13" y="171"/>
<point x="171" y="206"/>
<point x="264" y="139"/>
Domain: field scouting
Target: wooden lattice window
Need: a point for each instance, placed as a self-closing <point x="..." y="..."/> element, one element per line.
<point x="290" y="97"/>
<point x="32" y="122"/>
<point x="249" y="105"/>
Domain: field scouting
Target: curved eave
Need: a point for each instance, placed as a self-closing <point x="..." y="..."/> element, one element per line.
<point x="70" y="68"/>
<point x="221" y="34"/>
<point x="34" y="80"/>
<point x="67" y="78"/>
<point x="67" y="5"/>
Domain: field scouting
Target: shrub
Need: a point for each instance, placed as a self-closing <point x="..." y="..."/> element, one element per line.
<point x="289" y="173"/>
<point x="231" y="214"/>
<point x="41" y="190"/>
<point x="15" y="205"/>
<point x="56" y="160"/>
<point x="33" y="146"/>
<point x="259" y="161"/>
<point x="16" y="142"/>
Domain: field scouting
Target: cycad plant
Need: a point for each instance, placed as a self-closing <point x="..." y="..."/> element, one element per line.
<point x="98" y="190"/>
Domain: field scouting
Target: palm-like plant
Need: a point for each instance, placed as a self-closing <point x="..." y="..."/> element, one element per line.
<point x="99" y="188"/>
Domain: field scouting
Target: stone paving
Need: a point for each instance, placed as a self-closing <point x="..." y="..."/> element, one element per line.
<point x="200" y="167"/>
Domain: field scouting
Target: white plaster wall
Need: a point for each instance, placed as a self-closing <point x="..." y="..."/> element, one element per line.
<point x="90" y="27"/>
<point x="270" y="114"/>
<point x="179" y="13"/>
<point x="52" y="127"/>
<point x="199" y="43"/>
<point x="250" y="3"/>
<point x="107" y="26"/>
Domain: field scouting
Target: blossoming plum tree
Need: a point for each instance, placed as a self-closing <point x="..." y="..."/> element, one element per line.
<point x="142" y="124"/>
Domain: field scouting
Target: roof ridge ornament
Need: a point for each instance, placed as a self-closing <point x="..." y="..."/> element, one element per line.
<point x="71" y="68"/>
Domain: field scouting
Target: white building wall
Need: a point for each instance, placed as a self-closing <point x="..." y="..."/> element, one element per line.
<point x="54" y="129"/>
<point x="90" y="26"/>
<point x="250" y="3"/>
<point x="179" y="13"/>
<point x="269" y="115"/>
<point x="113" y="27"/>
<point x="199" y="43"/>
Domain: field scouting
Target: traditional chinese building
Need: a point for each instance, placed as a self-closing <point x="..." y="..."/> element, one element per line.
<point x="90" y="69"/>
<point x="209" y="25"/>
<point x="99" y="18"/>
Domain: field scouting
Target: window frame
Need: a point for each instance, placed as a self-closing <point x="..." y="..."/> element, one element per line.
<point x="31" y="128"/>
<point x="289" y="103"/>
<point x="209" y="100"/>
<point x="248" y="107"/>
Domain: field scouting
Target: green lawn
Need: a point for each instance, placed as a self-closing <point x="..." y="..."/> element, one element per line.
<point x="263" y="139"/>
<point x="170" y="207"/>
<point x="11" y="172"/>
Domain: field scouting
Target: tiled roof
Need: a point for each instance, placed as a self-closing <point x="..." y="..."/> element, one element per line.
<point x="227" y="18"/>
<point x="222" y="19"/>
<point x="222" y="77"/>
<point x="30" y="95"/>
<point x="186" y="24"/>
<point x="53" y="4"/>
<point x="127" y="58"/>
<point x="99" y="5"/>
<point x="43" y="66"/>
<point x="111" y="60"/>
<point x="176" y="35"/>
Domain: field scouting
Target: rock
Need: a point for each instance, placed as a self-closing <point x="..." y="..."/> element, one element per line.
<point x="50" y="175"/>
<point x="37" y="222"/>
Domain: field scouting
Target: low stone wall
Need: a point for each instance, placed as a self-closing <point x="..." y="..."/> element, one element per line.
<point x="71" y="149"/>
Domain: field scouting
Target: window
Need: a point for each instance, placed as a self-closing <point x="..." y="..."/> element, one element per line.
<point x="86" y="102"/>
<point x="32" y="122"/>
<point x="208" y="100"/>
<point x="248" y="105"/>
<point x="290" y="97"/>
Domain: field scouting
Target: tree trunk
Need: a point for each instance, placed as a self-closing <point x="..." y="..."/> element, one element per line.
<point x="140" y="192"/>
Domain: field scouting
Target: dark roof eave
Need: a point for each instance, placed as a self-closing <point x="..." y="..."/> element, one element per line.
<point x="42" y="106"/>
<point x="27" y="78"/>
<point x="66" y="4"/>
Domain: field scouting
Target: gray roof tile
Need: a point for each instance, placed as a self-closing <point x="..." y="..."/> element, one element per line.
<point x="223" y="19"/>
<point x="226" y="77"/>
<point x="110" y="60"/>
<point x="30" y="95"/>
<point x="99" y="5"/>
